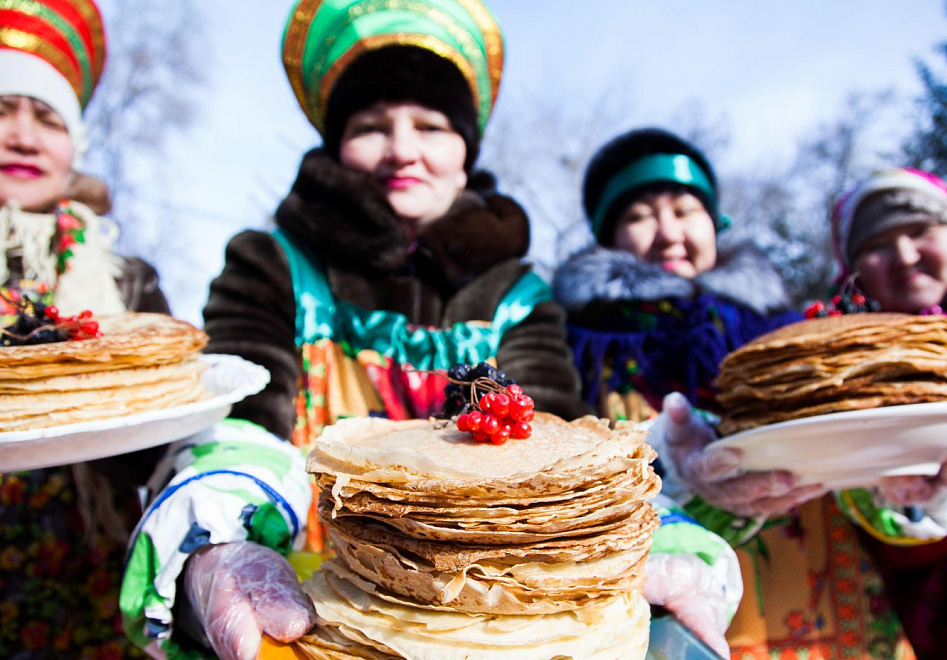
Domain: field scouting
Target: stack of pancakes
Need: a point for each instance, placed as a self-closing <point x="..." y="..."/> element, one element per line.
<point x="141" y="362"/>
<point x="834" y="364"/>
<point x="451" y="549"/>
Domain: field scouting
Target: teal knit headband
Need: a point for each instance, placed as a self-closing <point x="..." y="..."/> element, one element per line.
<point x="656" y="168"/>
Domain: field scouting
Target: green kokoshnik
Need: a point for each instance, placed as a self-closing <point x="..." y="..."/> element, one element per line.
<point x="322" y="37"/>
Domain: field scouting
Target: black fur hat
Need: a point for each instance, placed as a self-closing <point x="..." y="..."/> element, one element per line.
<point x="622" y="152"/>
<point x="403" y="73"/>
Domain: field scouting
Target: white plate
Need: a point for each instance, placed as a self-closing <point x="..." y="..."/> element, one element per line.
<point x="228" y="379"/>
<point x="850" y="449"/>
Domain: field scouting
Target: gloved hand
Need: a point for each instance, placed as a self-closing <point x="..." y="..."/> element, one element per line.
<point x="686" y="585"/>
<point x="239" y="591"/>
<point x="716" y="475"/>
<point x="914" y="490"/>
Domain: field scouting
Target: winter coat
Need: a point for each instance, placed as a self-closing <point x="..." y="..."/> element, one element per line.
<point x="457" y="271"/>
<point x="61" y="572"/>
<point x="809" y="587"/>
<point x="637" y="330"/>
<point x="350" y="318"/>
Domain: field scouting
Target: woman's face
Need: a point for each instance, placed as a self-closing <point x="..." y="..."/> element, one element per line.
<point x="36" y="154"/>
<point x="905" y="268"/>
<point x="413" y="152"/>
<point x="673" y="230"/>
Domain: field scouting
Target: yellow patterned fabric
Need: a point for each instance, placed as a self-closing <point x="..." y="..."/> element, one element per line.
<point x="811" y="591"/>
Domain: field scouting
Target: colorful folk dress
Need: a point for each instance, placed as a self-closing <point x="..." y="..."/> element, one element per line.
<point x="356" y="362"/>
<point x="353" y="362"/>
<point x="811" y="591"/>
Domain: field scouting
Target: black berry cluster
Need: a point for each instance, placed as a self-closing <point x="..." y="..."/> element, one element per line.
<point x="458" y="392"/>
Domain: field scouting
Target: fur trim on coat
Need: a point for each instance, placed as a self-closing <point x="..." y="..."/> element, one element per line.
<point x="743" y="275"/>
<point x="346" y="219"/>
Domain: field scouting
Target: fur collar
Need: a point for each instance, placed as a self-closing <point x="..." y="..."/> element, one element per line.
<point x="743" y="275"/>
<point x="344" y="216"/>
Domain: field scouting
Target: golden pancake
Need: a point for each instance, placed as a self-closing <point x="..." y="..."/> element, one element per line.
<point x="141" y="362"/>
<point x="129" y="340"/>
<point x="834" y="364"/>
<point x="449" y="548"/>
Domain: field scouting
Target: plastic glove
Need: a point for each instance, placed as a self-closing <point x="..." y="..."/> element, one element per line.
<point x="686" y="585"/>
<point x="716" y="475"/>
<point x="240" y="590"/>
<point x="914" y="490"/>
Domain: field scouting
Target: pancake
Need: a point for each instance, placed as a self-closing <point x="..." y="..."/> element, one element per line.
<point x="141" y="362"/>
<point x="614" y="627"/>
<point x="447" y="548"/>
<point x="128" y="340"/>
<point x="834" y="364"/>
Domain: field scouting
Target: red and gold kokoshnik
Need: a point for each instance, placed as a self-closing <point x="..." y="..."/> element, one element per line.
<point x="68" y="34"/>
<point x="322" y="37"/>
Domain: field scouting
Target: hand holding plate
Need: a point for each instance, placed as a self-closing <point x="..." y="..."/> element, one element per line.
<point x="717" y="475"/>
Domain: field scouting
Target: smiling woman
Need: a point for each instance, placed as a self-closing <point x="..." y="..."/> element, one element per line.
<point x="36" y="153"/>
<point x="413" y="152"/>
<point x="63" y="529"/>
<point x="393" y="260"/>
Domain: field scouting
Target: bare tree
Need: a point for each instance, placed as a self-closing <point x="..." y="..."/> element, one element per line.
<point x="539" y="150"/>
<point x="787" y="208"/>
<point x="146" y="94"/>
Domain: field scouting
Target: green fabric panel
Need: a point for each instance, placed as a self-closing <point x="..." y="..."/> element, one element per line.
<point x="520" y="301"/>
<point x="687" y="538"/>
<point x="319" y="316"/>
<point x="881" y="520"/>
<point x="137" y="587"/>
<point x="315" y="304"/>
<point x="732" y="528"/>
<point x="268" y="528"/>
<point x="224" y="455"/>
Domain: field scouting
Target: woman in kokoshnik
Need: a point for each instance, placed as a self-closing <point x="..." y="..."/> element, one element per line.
<point x="63" y="530"/>
<point x="392" y="258"/>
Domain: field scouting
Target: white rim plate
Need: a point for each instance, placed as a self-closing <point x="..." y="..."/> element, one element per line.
<point x="849" y="449"/>
<point x="228" y="378"/>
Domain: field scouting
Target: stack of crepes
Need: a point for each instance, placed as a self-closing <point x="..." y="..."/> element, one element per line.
<point x="450" y="549"/>
<point x="141" y="362"/>
<point x="834" y="364"/>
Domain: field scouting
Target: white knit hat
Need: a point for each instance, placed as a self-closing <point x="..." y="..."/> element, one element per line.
<point x="24" y="74"/>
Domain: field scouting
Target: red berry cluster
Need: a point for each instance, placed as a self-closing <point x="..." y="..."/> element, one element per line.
<point x="852" y="303"/>
<point x="37" y="323"/>
<point x="80" y="326"/>
<point x="499" y="416"/>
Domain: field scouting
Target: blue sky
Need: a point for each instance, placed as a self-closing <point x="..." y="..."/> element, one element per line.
<point x="767" y="69"/>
